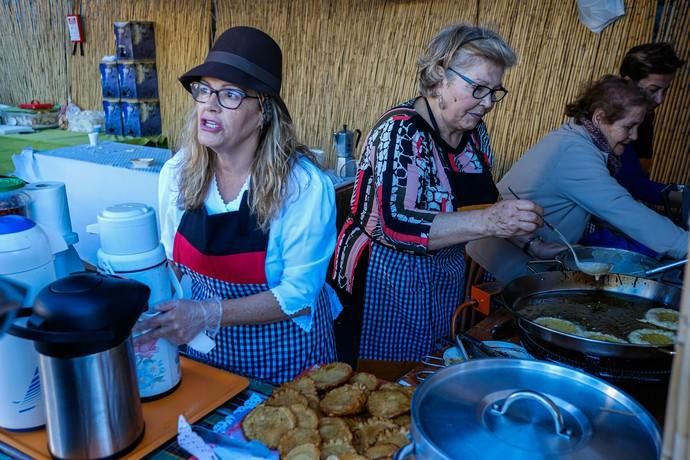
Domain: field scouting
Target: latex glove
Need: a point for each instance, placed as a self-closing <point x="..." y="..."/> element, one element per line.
<point x="509" y="218"/>
<point x="180" y="320"/>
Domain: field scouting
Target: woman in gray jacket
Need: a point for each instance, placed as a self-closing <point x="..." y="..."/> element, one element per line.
<point x="570" y="174"/>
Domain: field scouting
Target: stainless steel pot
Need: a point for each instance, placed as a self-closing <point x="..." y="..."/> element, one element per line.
<point x="519" y="410"/>
<point x="571" y="285"/>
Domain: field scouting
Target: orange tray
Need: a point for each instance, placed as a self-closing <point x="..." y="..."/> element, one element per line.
<point x="202" y="389"/>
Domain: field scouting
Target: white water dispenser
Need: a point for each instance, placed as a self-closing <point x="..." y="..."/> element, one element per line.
<point x="26" y="258"/>
<point x="131" y="248"/>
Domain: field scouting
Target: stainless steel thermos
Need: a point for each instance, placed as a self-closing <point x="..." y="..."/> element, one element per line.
<point x="81" y="327"/>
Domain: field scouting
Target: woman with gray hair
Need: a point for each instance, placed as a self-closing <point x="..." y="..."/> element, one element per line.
<point x="423" y="189"/>
<point x="246" y="214"/>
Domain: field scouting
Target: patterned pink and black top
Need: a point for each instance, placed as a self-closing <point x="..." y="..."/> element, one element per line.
<point x="404" y="179"/>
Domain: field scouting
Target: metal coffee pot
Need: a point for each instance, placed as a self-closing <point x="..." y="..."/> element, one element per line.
<point x="345" y="143"/>
<point x="81" y="327"/>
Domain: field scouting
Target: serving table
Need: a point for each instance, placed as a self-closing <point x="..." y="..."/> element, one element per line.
<point x="202" y="390"/>
<point x="95" y="177"/>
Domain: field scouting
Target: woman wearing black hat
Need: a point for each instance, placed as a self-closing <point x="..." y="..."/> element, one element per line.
<point x="249" y="218"/>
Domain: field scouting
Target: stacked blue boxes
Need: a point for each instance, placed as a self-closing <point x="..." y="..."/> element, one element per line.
<point x="130" y="100"/>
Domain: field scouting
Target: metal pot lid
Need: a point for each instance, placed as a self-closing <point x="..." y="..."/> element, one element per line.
<point x="520" y="409"/>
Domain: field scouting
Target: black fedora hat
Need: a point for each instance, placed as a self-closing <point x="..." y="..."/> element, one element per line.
<point x="246" y="57"/>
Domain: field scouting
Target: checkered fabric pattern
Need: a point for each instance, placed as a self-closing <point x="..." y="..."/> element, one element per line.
<point x="274" y="352"/>
<point x="409" y="302"/>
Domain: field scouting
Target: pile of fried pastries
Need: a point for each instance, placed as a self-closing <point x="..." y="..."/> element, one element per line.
<point x="332" y="413"/>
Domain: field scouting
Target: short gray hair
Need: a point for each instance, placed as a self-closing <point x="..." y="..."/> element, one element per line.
<point x="459" y="45"/>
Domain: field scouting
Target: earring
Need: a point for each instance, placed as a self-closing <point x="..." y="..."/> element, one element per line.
<point x="441" y="103"/>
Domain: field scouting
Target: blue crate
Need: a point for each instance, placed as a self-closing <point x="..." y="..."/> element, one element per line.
<point x="141" y="117"/>
<point x="138" y="79"/>
<point x="135" y="40"/>
<point x="109" y="79"/>
<point x="113" y="116"/>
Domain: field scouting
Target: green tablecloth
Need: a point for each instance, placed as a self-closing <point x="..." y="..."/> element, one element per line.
<point x="49" y="139"/>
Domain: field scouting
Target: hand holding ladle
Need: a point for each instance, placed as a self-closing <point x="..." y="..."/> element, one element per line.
<point x="595" y="269"/>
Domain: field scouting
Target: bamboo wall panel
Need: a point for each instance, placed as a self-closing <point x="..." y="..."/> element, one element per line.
<point x="548" y="74"/>
<point x="345" y="67"/>
<point x="32" y="61"/>
<point x="346" y="61"/>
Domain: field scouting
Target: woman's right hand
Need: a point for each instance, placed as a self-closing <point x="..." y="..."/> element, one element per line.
<point x="509" y="218"/>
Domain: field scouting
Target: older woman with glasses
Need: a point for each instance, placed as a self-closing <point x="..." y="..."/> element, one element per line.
<point x="423" y="189"/>
<point x="246" y="214"/>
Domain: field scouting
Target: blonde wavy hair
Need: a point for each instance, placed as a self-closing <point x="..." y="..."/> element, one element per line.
<point x="459" y="45"/>
<point x="277" y="151"/>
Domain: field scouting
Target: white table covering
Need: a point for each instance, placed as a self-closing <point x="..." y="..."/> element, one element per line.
<point x="95" y="177"/>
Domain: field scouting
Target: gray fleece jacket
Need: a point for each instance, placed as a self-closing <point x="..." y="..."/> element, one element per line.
<point x="566" y="174"/>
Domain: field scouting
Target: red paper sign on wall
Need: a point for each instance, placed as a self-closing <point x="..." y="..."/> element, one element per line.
<point x="76" y="33"/>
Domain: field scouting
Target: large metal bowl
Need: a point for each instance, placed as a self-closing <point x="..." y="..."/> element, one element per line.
<point x="571" y="284"/>
<point x="622" y="261"/>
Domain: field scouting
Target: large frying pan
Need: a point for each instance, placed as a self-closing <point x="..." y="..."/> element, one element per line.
<point x="571" y="287"/>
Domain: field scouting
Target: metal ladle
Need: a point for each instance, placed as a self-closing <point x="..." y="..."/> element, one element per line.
<point x="595" y="269"/>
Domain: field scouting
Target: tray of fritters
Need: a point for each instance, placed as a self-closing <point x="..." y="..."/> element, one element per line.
<point x="333" y="413"/>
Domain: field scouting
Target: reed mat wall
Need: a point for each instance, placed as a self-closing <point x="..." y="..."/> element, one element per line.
<point x="346" y="61"/>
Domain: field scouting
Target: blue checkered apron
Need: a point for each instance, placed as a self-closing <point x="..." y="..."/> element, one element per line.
<point x="409" y="301"/>
<point x="274" y="352"/>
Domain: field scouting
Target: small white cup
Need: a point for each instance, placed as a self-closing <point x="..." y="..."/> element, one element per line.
<point x="93" y="139"/>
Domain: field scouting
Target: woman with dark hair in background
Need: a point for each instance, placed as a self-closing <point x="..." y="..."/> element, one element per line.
<point x="568" y="174"/>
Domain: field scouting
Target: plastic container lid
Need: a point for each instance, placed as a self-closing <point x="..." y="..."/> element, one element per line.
<point x="23" y="245"/>
<point x="128" y="228"/>
<point x="89" y="312"/>
<point x="7" y="184"/>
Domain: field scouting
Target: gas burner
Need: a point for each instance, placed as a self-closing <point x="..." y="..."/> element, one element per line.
<point x="615" y="370"/>
<point x="647" y="381"/>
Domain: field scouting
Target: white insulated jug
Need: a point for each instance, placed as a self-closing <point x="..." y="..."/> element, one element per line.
<point x="130" y="248"/>
<point x="26" y="258"/>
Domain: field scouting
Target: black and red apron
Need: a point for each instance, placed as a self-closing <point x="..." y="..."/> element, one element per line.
<point x="225" y="257"/>
<point x="409" y="299"/>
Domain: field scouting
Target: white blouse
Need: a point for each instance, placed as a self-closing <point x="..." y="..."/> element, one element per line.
<point x="301" y="237"/>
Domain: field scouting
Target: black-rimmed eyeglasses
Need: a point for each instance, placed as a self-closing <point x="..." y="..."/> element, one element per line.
<point x="229" y="98"/>
<point x="481" y="91"/>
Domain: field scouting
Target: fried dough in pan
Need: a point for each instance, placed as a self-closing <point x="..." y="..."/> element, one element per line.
<point x="268" y="424"/>
<point x="345" y="400"/>
<point x="331" y="375"/>
<point x="296" y="437"/>
<point x="346" y="456"/>
<point x="336" y="448"/>
<point x="304" y="385"/>
<point x="388" y="403"/>
<point x="368" y="380"/>
<point x="286" y="397"/>
<point x="306" y="417"/>
<point x="407" y="389"/>
<point x="334" y="428"/>
<point x="304" y="452"/>
<point x="397" y="436"/>
<point x="367" y="433"/>
<point x="381" y="451"/>
<point x="402" y="421"/>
